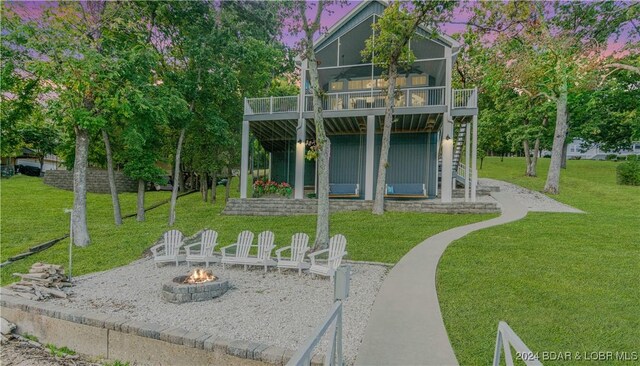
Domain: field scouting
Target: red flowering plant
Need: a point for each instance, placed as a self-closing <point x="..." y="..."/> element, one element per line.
<point x="264" y="186"/>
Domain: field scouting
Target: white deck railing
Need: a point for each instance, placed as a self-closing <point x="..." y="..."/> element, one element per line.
<point x="506" y="339"/>
<point x="406" y="98"/>
<point x="465" y="98"/>
<point x="271" y="105"/>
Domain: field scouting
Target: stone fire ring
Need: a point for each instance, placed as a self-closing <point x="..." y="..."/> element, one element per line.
<point x="178" y="292"/>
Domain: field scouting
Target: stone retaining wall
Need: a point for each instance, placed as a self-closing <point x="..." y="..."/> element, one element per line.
<point x="287" y="207"/>
<point x="116" y="338"/>
<point x="97" y="181"/>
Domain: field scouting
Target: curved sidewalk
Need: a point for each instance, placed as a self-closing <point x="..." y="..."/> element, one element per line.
<point x="406" y="326"/>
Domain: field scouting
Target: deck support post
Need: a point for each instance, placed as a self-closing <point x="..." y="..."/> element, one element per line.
<point x="301" y="133"/>
<point x="370" y="154"/>
<point x="474" y="159"/>
<point x="447" y="159"/>
<point x="244" y="161"/>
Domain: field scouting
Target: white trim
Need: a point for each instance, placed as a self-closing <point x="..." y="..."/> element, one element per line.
<point x="244" y="160"/>
<point x="370" y="156"/>
<point x="372" y="64"/>
<point x="467" y="153"/>
<point x="474" y="159"/>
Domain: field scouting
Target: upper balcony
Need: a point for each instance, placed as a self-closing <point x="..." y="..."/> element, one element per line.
<point x="408" y="101"/>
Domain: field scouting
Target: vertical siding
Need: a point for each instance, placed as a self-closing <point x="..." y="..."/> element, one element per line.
<point x="283" y="164"/>
<point x="347" y="164"/>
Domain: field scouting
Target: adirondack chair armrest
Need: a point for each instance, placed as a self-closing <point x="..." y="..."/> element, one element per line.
<point x="155" y="249"/>
<point x="224" y="249"/>
<point x="313" y="255"/>
<point x="187" y="248"/>
<point x="279" y="251"/>
<point x="337" y="256"/>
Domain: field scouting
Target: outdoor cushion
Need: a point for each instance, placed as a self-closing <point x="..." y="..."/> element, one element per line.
<point x="343" y="189"/>
<point x="407" y="188"/>
<point x="390" y="190"/>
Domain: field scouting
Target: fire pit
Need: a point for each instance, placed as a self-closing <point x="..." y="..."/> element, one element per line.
<point x="198" y="285"/>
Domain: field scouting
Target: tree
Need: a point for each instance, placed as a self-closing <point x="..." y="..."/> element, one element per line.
<point x="387" y="47"/>
<point x="40" y="136"/>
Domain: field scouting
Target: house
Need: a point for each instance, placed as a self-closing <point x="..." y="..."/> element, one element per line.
<point x="29" y="158"/>
<point x="427" y="108"/>
<point x="576" y="149"/>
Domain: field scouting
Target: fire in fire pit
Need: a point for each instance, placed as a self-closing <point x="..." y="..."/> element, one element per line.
<point x="200" y="275"/>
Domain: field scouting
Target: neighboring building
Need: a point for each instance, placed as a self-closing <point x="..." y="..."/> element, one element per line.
<point x="575" y="149"/>
<point x="423" y="133"/>
<point x="28" y="158"/>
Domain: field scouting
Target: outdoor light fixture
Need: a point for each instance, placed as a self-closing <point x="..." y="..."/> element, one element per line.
<point x="299" y="141"/>
<point x="447" y="138"/>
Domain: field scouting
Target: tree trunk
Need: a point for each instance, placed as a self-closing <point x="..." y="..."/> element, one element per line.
<point x="79" y="221"/>
<point x="204" y="187"/>
<point x="176" y="181"/>
<point x="140" y="202"/>
<point x="565" y="147"/>
<point x="214" y="187"/>
<point x="41" y="160"/>
<point x="552" y="185"/>
<point x="378" y="203"/>
<point x="181" y="180"/>
<point x="527" y="157"/>
<point x="324" y="156"/>
<point x="227" y="190"/>
<point x="115" y="200"/>
<point x="481" y="161"/>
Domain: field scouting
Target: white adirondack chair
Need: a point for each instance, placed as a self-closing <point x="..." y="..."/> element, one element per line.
<point x="241" y="255"/>
<point x="265" y="246"/>
<point x="298" y="248"/>
<point x="336" y="251"/>
<point x="202" y="251"/>
<point x="169" y="250"/>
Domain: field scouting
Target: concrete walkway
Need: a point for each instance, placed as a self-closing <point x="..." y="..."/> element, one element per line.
<point x="406" y="326"/>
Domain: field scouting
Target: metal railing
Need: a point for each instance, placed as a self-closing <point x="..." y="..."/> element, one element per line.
<point x="461" y="170"/>
<point x="333" y="320"/>
<point x="271" y="105"/>
<point x="413" y="97"/>
<point x="506" y="339"/>
<point x="465" y="98"/>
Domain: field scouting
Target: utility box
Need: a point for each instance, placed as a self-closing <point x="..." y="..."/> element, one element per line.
<point x="341" y="283"/>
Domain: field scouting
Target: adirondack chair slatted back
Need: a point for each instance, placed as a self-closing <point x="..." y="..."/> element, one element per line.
<point x="299" y="246"/>
<point x="209" y="241"/>
<point x="172" y="242"/>
<point x="337" y="243"/>
<point x="245" y="239"/>
<point x="265" y="244"/>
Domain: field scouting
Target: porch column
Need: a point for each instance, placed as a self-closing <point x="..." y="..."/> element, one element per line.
<point x="370" y="153"/>
<point x="467" y="160"/>
<point x="474" y="159"/>
<point x="300" y="137"/>
<point x="447" y="159"/>
<point x="244" y="161"/>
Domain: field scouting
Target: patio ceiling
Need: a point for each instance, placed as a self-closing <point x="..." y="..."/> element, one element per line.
<point x="275" y="135"/>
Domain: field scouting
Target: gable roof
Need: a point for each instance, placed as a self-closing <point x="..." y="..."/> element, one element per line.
<point x="363" y="11"/>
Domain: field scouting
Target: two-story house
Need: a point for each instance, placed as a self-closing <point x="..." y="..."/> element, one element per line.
<point x="422" y="136"/>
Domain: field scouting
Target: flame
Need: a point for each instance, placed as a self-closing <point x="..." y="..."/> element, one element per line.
<point x="200" y="275"/>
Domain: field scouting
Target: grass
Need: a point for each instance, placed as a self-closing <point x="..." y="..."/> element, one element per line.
<point x="563" y="282"/>
<point x="33" y="213"/>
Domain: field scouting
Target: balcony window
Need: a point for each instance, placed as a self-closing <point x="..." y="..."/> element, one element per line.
<point x="419" y="80"/>
<point x="337" y="86"/>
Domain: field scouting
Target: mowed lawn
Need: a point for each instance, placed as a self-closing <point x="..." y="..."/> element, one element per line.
<point x="33" y="213"/>
<point x="563" y="282"/>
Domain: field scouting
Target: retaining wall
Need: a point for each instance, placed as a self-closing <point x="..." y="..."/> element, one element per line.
<point x="116" y="338"/>
<point x="97" y="181"/>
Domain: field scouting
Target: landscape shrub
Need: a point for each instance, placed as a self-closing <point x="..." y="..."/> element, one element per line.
<point x="612" y="157"/>
<point x="628" y="172"/>
<point x="264" y="186"/>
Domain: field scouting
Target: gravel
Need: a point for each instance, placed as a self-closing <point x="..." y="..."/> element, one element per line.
<point x="279" y="309"/>
<point x="535" y="201"/>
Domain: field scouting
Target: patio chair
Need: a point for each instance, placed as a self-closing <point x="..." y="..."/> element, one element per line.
<point x="298" y="248"/>
<point x="336" y="251"/>
<point x="241" y="254"/>
<point x="169" y="250"/>
<point x="202" y="250"/>
<point x="265" y="246"/>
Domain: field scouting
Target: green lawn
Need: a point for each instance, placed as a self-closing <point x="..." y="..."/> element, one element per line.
<point x="563" y="282"/>
<point x="33" y="212"/>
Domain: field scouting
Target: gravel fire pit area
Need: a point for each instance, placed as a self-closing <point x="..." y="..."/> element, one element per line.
<point x="279" y="309"/>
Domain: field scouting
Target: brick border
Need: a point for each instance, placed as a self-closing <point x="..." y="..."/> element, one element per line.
<point x="179" y="336"/>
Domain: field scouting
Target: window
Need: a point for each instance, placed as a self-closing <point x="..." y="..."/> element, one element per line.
<point x="360" y="84"/>
<point x="419" y="80"/>
<point x="337" y="85"/>
<point x="382" y="83"/>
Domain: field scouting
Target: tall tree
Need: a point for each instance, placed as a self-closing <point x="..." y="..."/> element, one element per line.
<point x="387" y="47"/>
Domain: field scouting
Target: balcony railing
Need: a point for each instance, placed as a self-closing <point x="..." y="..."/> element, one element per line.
<point x="406" y="98"/>
<point x="465" y="98"/>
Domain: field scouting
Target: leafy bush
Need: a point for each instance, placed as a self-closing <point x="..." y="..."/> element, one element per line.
<point x="547" y="156"/>
<point x="264" y="186"/>
<point x="577" y="157"/>
<point x="612" y="157"/>
<point x="628" y="173"/>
